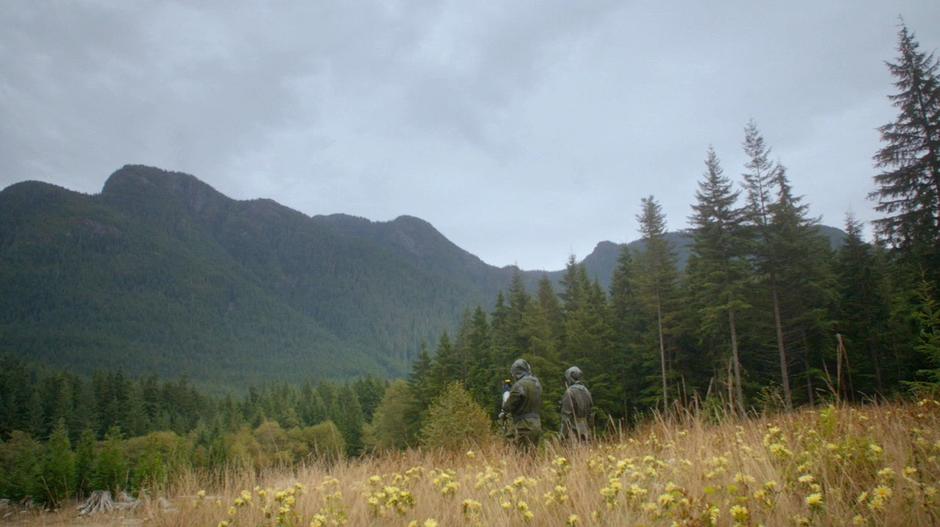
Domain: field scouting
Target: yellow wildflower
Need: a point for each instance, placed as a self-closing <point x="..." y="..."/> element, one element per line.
<point x="882" y="491"/>
<point x="815" y="500"/>
<point x="739" y="513"/>
<point x="886" y="474"/>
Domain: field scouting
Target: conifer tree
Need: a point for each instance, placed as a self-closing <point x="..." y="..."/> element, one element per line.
<point x="928" y="323"/>
<point x="657" y="281"/>
<point x="550" y="307"/>
<point x="516" y="328"/>
<point x="37" y="421"/>
<point x="58" y="469"/>
<point x="422" y="389"/>
<point x="862" y="309"/>
<point x="718" y="270"/>
<point x="544" y="353"/>
<point x="448" y="365"/>
<point x="348" y="418"/>
<point x="628" y="327"/>
<point x="908" y="190"/>
<point x="484" y="371"/>
<point x="85" y="462"/>
<point x="500" y="312"/>
<point x="758" y="183"/>
<point x="572" y="286"/>
<point x="802" y="264"/>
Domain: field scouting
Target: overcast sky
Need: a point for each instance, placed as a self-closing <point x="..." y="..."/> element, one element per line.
<point x="524" y="131"/>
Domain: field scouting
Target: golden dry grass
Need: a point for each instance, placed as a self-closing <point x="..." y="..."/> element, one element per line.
<point x="875" y="465"/>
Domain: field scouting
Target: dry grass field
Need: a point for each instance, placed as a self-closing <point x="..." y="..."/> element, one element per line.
<point x="874" y="465"/>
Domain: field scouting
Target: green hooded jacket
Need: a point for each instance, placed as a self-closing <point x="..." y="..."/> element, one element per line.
<point x="577" y="408"/>
<point x="524" y="403"/>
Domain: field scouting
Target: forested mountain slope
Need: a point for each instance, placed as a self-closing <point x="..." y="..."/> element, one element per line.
<point x="161" y="273"/>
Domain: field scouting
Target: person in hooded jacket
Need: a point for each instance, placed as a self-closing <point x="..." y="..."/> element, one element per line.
<point x="577" y="408"/>
<point x="523" y="405"/>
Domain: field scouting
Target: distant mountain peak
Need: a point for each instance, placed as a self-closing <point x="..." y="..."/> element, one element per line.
<point x="142" y="185"/>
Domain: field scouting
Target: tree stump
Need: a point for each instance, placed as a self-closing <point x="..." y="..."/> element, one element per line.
<point x="99" y="501"/>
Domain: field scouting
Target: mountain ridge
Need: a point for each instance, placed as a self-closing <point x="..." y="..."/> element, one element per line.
<point x="160" y="272"/>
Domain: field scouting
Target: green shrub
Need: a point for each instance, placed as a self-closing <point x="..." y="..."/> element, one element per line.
<point x="111" y="468"/>
<point x="455" y="421"/>
<point x="322" y="441"/>
<point x="20" y="467"/>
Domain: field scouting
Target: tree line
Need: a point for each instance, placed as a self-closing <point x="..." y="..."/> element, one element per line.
<point x="765" y="313"/>
<point x="62" y="435"/>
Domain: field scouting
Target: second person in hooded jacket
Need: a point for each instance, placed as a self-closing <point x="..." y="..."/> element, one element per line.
<point x="577" y="408"/>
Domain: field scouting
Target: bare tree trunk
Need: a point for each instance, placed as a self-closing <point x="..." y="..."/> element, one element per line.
<point x="730" y="384"/>
<point x="778" y="324"/>
<point x="739" y="389"/>
<point x="662" y="351"/>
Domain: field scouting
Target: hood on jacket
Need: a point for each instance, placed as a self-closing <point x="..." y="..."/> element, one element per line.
<point x="573" y="375"/>
<point x="520" y="369"/>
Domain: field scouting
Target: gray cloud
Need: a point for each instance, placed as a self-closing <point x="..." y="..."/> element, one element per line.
<point x="524" y="130"/>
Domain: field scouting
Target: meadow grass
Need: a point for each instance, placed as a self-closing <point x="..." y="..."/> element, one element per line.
<point x="870" y="465"/>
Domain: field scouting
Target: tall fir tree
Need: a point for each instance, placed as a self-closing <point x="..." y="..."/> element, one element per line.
<point x="627" y="352"/>
<point x="542" y="322"/>
<point x="657" y="280"/>
<point x="908" y="188"/>
<point x="423" y="390"/>
<point x="803" y="264"/>
<point x="719" y="270"/>
<point x="484" y="371"/>
<point x="758" y="184"/>
<point x="347" y="414"/>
